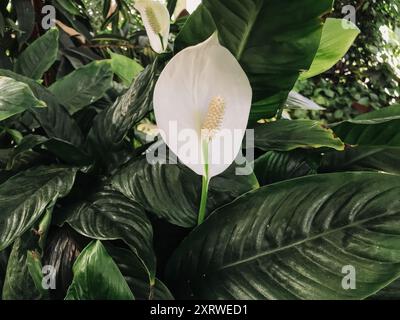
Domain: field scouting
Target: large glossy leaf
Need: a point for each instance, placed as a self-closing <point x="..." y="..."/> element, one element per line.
<point x="285" y="135"/>
<point x="379" y="128"/>
<point x="83" y="86"/>
<point x="109" y="215"/>
<point x="273" y="40"/>
<point x="362" y="159"/>
<point x="172" y="191"/>
<point x="136" y="276"/>
<point x="292" y="239"/>
<point x="24" y="196"/>
<point x="39" y="56"/>
<point x="279" y="166"/>
<point x="16" y="97"/>
<point x="97" y="277"/>
<point x="18" y="284"/>
<point x="54" y="119"/>
<point x="338" y="36"/>
<point x="111" y="126"/>
<point x="125" y="68"/>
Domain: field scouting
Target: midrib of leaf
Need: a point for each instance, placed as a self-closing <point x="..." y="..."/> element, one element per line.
<point x="323" y="234"/>
<point x="247" y="31"/>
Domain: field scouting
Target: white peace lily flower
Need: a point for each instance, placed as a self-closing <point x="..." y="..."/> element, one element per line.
<point x="156" y="21"/>
<point x="202" y="104"/>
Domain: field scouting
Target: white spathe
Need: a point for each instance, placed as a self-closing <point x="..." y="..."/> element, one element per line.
<point x="189" y="5"/>
<point x="192" y="81"/>
<point x="156" y="20"/>
<point x="192" y="5"/>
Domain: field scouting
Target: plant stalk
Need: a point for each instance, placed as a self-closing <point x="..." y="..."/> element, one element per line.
<point x="204" y="186"/>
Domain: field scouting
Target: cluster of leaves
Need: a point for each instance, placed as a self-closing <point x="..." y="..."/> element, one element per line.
<point x="368" y="77"/>
<point x="77" y="192"/>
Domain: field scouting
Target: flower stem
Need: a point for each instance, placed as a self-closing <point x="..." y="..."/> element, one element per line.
<point x="203" y="201"/>
<point x="204" y="186"/>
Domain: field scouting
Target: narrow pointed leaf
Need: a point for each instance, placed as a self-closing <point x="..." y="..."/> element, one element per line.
<point x="83" y="86"/>
<point x="39" y="56"/>
<point x="16" y="97"/>
<point x="125" y="68"/>
<point x="97" y="277"/>
<point x="337" y="37"/>
<point x="111" y="126"/>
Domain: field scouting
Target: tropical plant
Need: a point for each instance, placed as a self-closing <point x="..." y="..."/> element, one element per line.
<point x="85" y="215"/>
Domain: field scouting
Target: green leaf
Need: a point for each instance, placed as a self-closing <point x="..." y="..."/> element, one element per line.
<point x="62" y="149"/>
<point x="279" y="166"/>
<point x="39" y="56"/>
<point x="199" y="27"/>
<point x="34" y="265"/>
<point x="291" y="240"/>
<point x="362" y="159"/>
<point x="272" y="50"/>
<point x="109" y="215"/>
<point x="266" y="109"/>
<point x="150" y="185"/>
<point x="69" y="6"/>
<point x="111" y="126"/>
<point x="97" y="277"/>
<point x="26" y="195"/>
<point x="285" y="135"/>
<point x="125" y="68"/>
<point x="374" y="129"/>
<point x="391" y="292"/>
<point x="54" y="119"/>
<point x="26" y="19"/>
<point x="335" y="42"/>
<point x="18" y="284"/>
<point x="137" y="277"/>
<point x="16" y="97"/>
<point x="83" y="86"/>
